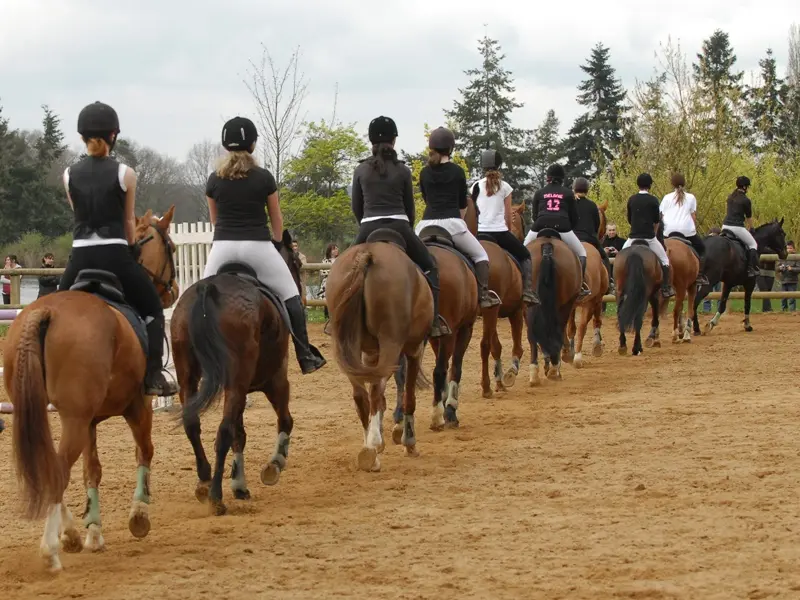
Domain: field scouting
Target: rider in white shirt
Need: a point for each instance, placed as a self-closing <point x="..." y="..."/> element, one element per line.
<point x="679" y="215"/>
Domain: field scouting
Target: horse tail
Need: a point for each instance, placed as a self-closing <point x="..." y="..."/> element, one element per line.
<point x="349" y="324"/>
<point x="545" y="319"/>
<point x="209" y="348"/>
<point x="39" y="468"/>
<point x="634" y="294"/>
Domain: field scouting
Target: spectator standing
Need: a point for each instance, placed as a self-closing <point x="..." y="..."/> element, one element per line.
<point x="331" y="253"/>
<point x="10" y="263"/>
<point x="789" y="270"/>
<point x="48" y="283"/>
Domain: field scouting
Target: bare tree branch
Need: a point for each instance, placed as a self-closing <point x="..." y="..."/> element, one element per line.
<point x="200" y="161"/>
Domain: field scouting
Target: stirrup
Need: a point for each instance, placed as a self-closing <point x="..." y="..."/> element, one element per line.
<point x="531" y="298"/>
<point x="490" y="299"/>
<point x="585" y="291"/>
<point x="668" y="292"/>
<point x="440" y="328"/>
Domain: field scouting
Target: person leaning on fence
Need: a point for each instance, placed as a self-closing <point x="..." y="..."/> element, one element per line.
<point x="48" y="283"/>
<point x="789" y="270"/>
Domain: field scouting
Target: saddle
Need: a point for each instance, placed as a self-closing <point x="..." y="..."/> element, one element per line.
<point x="439" y="237"/>
<point x="676" y="235"/>
<point x="389" y="236"/>
<point x="248" y="274"/>
<point x="106" y="286"/>
<point x="488" y="238"/>
<point x="547" y="234"/>
<point x="726" y="233"/>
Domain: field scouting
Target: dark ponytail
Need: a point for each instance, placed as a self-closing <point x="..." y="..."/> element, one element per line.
<point x="381" y="152"/>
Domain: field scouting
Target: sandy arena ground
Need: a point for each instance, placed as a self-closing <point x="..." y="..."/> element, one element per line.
<point x="672" y="475"/>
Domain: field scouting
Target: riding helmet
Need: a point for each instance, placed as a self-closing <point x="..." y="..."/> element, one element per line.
<point x="644" y="181"/>
<point x="239" y="134"/>
<point x="581" y="185"/>
<point x="491" y="159"/>
<point x="382" y="129"/>
<point x="441" y="138"/>
<point x="742" y="181"/>
<point x="98" y="120"/>
<point x="555" y="172"/>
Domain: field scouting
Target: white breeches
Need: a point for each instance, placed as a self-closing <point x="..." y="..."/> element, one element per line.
<point x="745" y="236"/>
<point x="654" y="245"/>
<point x="263" y="257"/>
<point x="463" y="240"/>
<point x="568" y="237"/>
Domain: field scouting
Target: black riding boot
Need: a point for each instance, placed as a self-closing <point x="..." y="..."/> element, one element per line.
<point x="701" y="276"/>
<point x="752" y="267"/>
<point x="666" y="287"/>
<point x="486" y="297"/>
<point x="612" y="288"/>
<point x="440" y="326"/>
<point x="585" y="291"/>
<point x="529" y="295"/>
<point x="308" y="357"/>
<point x="155" y="384"/>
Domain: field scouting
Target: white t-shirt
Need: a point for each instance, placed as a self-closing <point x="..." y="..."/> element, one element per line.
<point x="492" y="210"/>
<point x="678" y="217"/>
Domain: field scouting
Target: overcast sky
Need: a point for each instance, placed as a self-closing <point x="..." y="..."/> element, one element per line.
<point x="173" y="69"/>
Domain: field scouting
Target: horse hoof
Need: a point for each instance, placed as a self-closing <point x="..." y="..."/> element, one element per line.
<point x="94" y="539"/>
<point x="397" y="434"/>
<point x="655" y="344"/>
<point x="709" y="327"/>
<point x="437" y="427"/>
<point x="509" y="378"/>
<point x="270" y="474"/>
<point x="217" y="509"/>
<point x="649" y="342"/>
<point x="578" y="363"/>
<point x="411" y="451"/>
<point x="71" y="541"/>
<point x="382" y="445"/>
<point x="623" y="350"/>
<point x="201" y="491"/>
<point x="241" y="494"/>
<point x="748" y="328"/>
<point x="597" y="351"/>
<point x="488" y="394"/>
<point x="687" y="340"/>
<point x="139" y="522"/>
<point x="368" y="459"/>
<point x="554" y="375"/>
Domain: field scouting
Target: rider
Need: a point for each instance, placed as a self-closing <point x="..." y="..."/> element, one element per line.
<point x="238" y="193"/>
<point x="383" y="198"/>
<point x="444" y="189"/>
<point x="589" y="224"/>
<point x="492" y="197"/>
<point x="739" y="215"/>
<point x="679" y="215"/>
<point x="102" y="194"/>
<point x="644" y="216"/>
<point x="554" y="208"/>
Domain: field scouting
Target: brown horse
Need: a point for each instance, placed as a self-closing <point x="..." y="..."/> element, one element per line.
<point x="380" y="307"/>
<point x="637" y="272"/>
<point x="75" y="351"/>
<point x="505" y="279"/>
<point x="227" y="335"/>
<point x="592" y="305"/>
<point x="685" y="268"/>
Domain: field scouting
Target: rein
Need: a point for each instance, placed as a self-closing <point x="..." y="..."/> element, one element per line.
<point x="166" y="285"/>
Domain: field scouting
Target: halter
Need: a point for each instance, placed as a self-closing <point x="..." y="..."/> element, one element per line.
<point x="169" y="249"/>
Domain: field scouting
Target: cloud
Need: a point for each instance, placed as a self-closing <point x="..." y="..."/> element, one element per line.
<point x="174" y="69"/>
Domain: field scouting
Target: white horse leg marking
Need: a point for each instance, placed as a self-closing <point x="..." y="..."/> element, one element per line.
<point x="70" y="538"/>
<point x="50" y="544"/>
<point x="238" y="481"/>
<point x="373" y="439"/>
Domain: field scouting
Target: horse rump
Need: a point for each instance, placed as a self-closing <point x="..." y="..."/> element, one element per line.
<point x="633" y="299"/>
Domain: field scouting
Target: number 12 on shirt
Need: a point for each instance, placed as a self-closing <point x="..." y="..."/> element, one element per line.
<point x="553" y="204"/>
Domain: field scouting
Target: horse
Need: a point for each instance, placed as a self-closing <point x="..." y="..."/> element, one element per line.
<point x="685" y="265"/>
<point x="381" y="307"/>
<point x="638" y="274"/>
<point x="592" y="305"/>
<point x="230" y="333"/>
<point x="83" y="351"/>
<point x="726" y="262"/>
<point x="505" y="279"/>
<point x="458" y="304"/>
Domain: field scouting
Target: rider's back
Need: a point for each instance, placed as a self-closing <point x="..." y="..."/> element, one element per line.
<point x="554" y="207"/>
<point x="588" y="223"/>
<point x="96" y="187"/>
<point x="241" y="205"/>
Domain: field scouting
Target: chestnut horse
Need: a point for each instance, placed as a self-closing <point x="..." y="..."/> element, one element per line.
<point x="685" y="268"/>
<point x="228" y="336"/>
<point x="380" y="307"/>
<point x="637" y="272"/>
<point x="77" y="352"/>
<point x="505" y="279"/>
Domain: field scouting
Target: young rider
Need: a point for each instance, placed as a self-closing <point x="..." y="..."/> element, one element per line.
<point x="588" y="225"/>
<point x="739" y="218"/>
<point x="679" y="214"/>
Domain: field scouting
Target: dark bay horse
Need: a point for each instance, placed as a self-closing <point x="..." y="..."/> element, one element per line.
<point x="74" y="350"/>
<point x="505" y="279"/>
<point x="228" y="336"/>
<point x="638" y="274"/>
<point x="685" y="268"/>
<point x="380" y="307"/>
<point x="726" y="262"/>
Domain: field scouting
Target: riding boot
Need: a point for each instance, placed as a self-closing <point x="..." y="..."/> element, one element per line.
<point x="752" y="267"/>
<point x="666" y="287"/>
<point x="155" y="384"/>
<point x="486" y="297"/>
<point x="308" y="357"/>
<point x="440" y="327"/>
<point x="701" y="276"/>
<point x="585" y="291"/>
<point x="529" y="295"/>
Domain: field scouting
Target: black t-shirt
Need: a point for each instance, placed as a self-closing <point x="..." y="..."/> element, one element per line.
<point x="643" y="215"/>
<point x="588" y="219"/>
<point x="242" y="205"/>
<point x="739" y="209"/>
<point x="444" y="188"/>
<point x="554" y="207"/>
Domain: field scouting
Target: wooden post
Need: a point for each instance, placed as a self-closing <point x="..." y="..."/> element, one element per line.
<point x="16" y="283"/>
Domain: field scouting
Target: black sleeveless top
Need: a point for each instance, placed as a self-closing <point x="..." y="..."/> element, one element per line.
<point x="97" y="198"/>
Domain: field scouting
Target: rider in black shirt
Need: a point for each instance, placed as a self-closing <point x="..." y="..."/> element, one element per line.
<point x="588" y="224"/>
<point x="739" y="218"/>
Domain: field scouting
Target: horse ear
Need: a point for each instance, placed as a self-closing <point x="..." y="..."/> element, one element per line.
<point x="604" y="205"/>
<point x="518" y="208"/>
<point x="166" y="220"/>
<point x="146" y="218"/>
<point x="781" y="222"/>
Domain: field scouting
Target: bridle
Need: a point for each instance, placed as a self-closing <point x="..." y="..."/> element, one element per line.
<point x="167" y="286"/>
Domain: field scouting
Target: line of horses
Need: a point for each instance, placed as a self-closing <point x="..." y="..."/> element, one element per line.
<point x="230" y="336"/>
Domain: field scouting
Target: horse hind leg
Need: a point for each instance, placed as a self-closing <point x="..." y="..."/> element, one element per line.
<point x="409" y="439"/>
<point x="238" y="478"/>
<point x="517" y="321"/>
<point x="652" y="338"/>
<point x="451" y="405"/>
<point x="140" y="419"/>
<point x="373" y="435"/>
<point x="278" y="394"/>
<point x="583" y="323"/>
<point x="443" y="353"/>
<point x="92" y="475"/>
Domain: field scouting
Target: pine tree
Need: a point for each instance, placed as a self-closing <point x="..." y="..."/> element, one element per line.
<point x="766" y="105"/>
<point x="482" y="119"/>
<point x="544" y="148"/>
<point x="50" y="146"/>
<point x="595" y="136"/>
<point x="792" y="113"/>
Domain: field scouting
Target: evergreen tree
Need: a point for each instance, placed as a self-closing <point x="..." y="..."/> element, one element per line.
<point x="766" y="106"/>
<point x="792" y="113"/>
<point x="594" y="139"/>
<point x="50" y="146"/>
<point x="482" y="119"/>
<point x="544" y="148"/>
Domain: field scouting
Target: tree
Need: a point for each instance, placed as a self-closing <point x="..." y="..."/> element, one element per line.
<point x="766" y="107"/>
<point x="482" y="118"/>
<point x="792" y="114"/>
<point x="279" y="96"/>
<point x="595" y="136"/>
<point x="199" y="164"/>
<point x="544" y="148"/>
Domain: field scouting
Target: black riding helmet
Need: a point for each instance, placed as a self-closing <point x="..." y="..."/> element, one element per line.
<point x="98" y="120"/>
<point x="581" y="185"/>
<point x="239" y="134"/>
<point x="382" y="129"/>
<point x="742" y="181"/>
<point x="555" y="172"/>
<point x="491" y="159"/>
<point x="442" y="138"/>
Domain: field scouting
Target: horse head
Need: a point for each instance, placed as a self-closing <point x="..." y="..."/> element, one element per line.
<point x="158" y="259"/>
<point x="772" y="236"/>
<point x="517" y="220"/>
